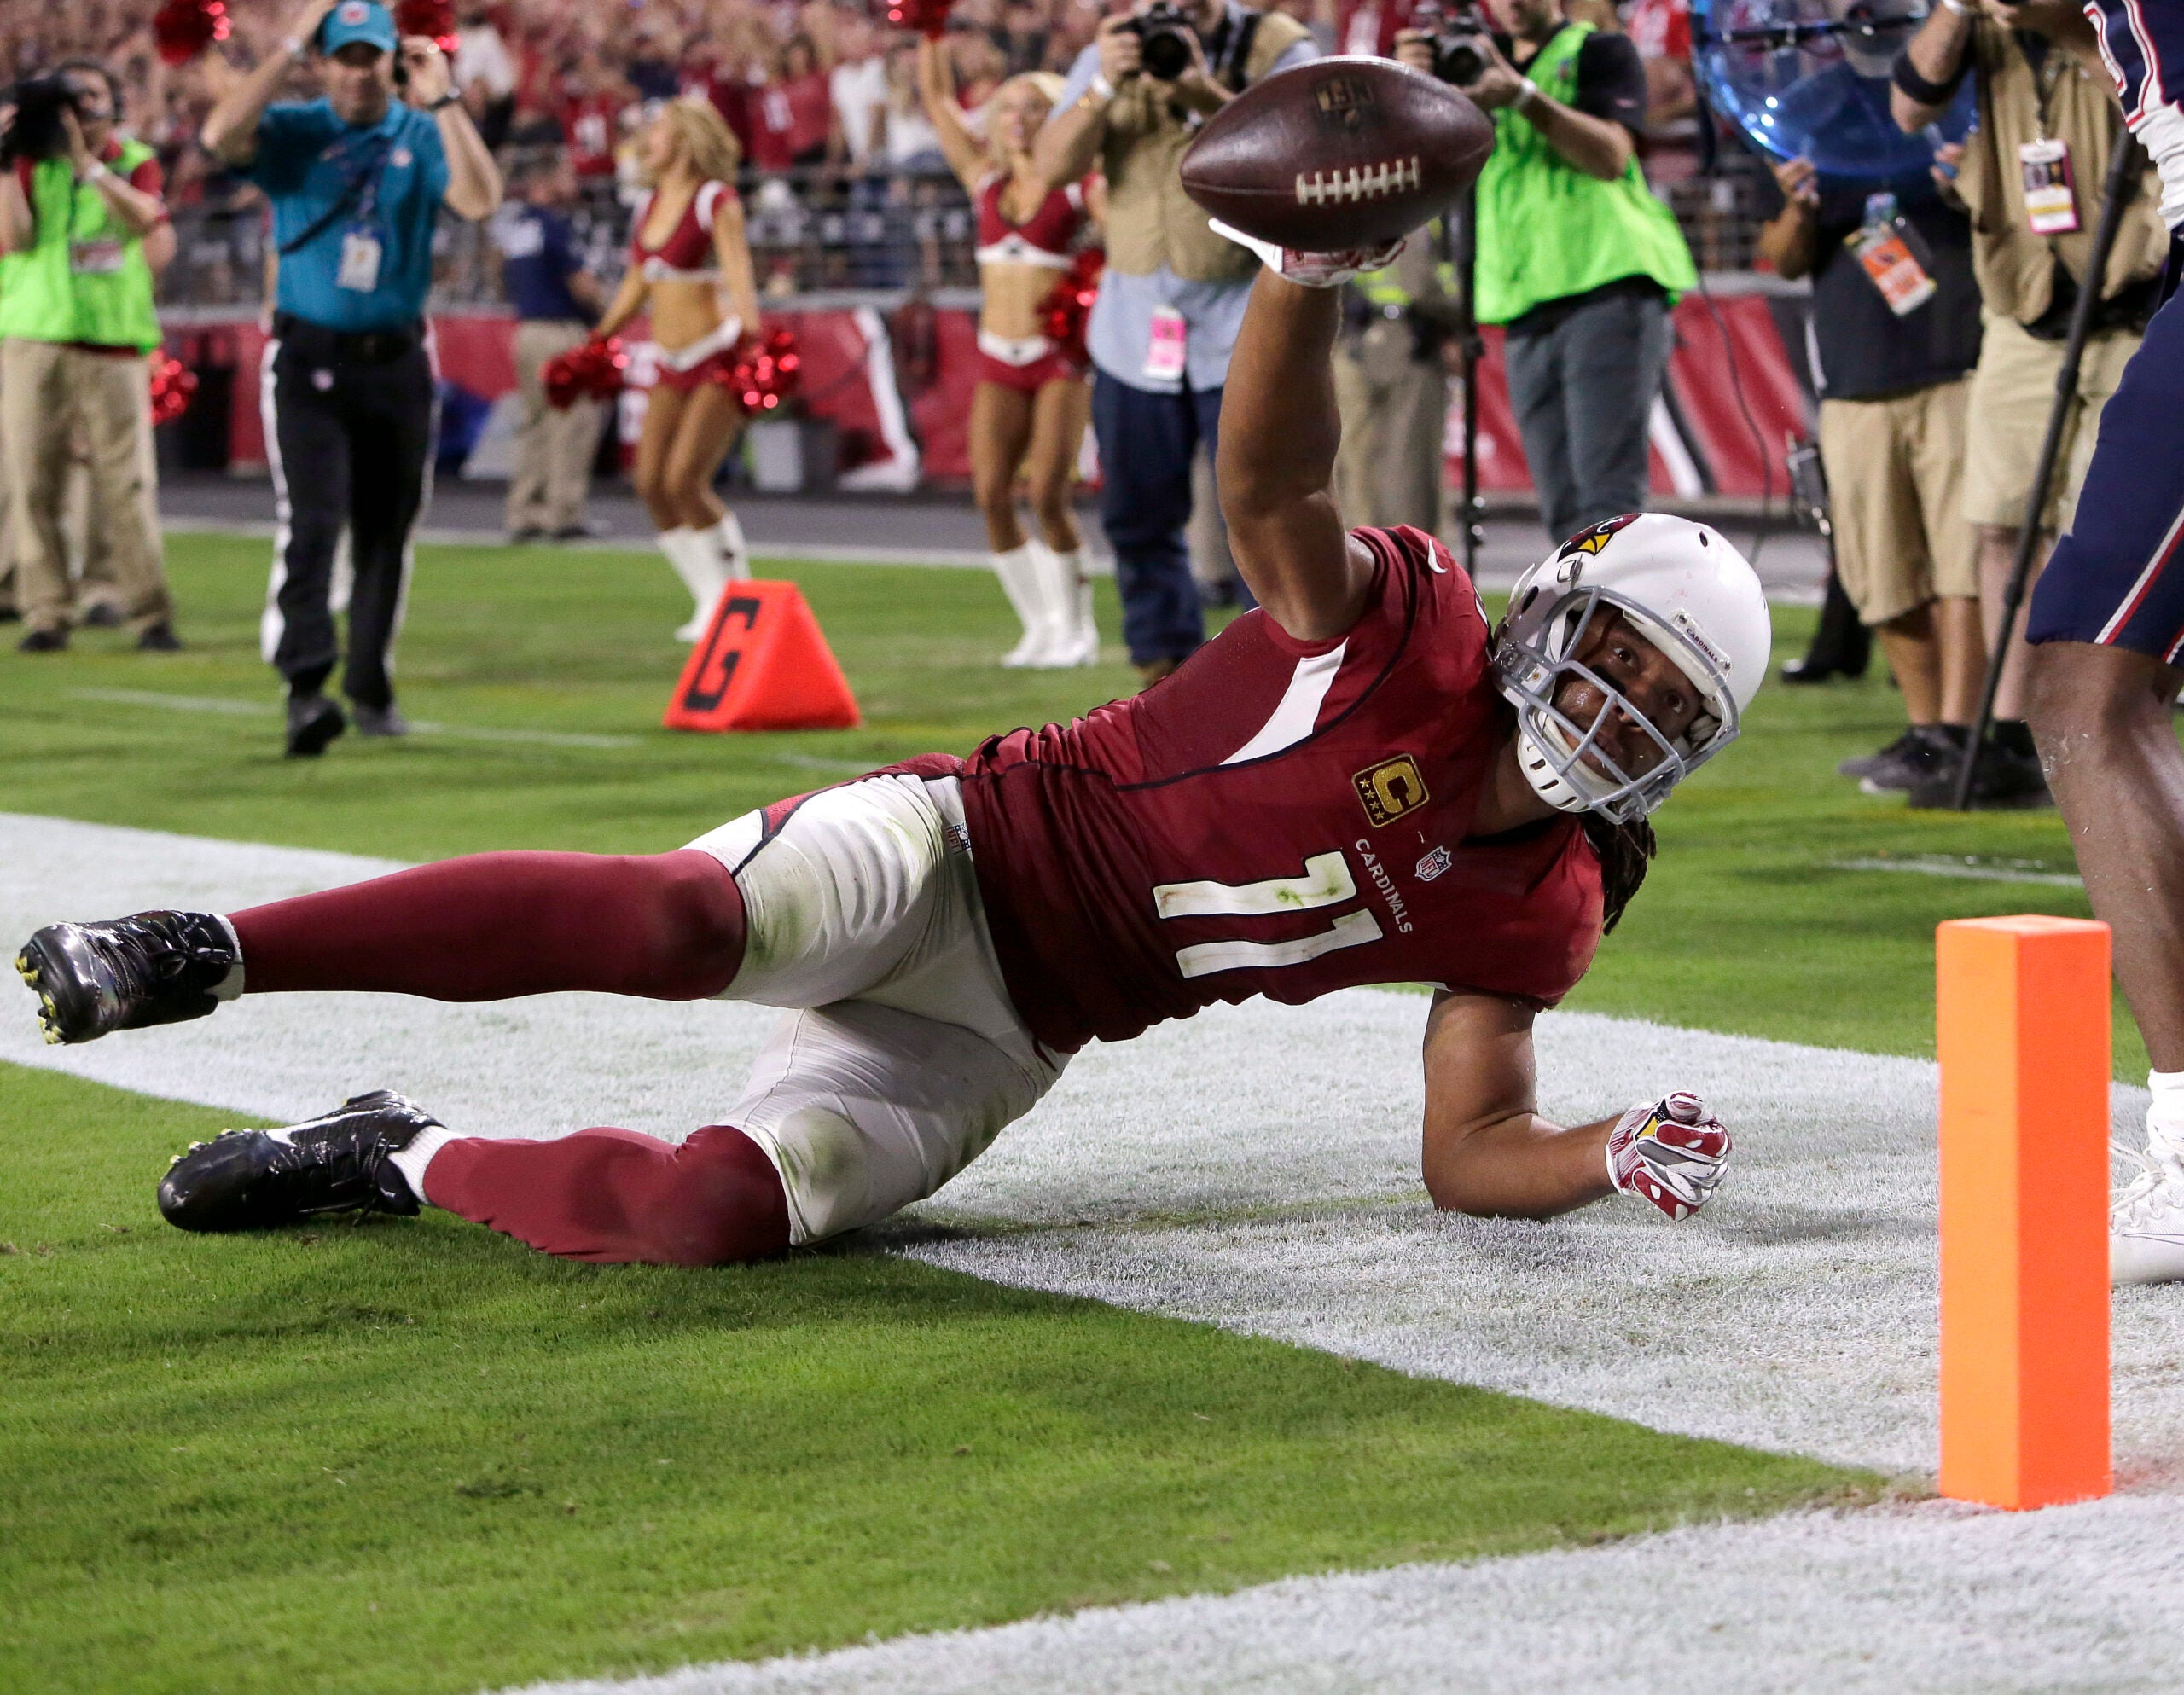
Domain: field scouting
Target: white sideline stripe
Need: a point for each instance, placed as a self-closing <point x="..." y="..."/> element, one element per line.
<point x="1255" y="1167"/>
<point x="259" y="709"/>
<point x="1941" y="865"/>
<point x="1882" y="1603"/>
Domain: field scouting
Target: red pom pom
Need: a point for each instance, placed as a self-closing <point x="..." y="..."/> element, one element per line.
<point x="173" y="383"/>
<point x="594" y="370"/>
<point x="183" y="29"/>
<point x="434" y="18"/>
<point x="927" y="17"/>
<point x="766" y="371"/>
<point x="1065" y="311"/>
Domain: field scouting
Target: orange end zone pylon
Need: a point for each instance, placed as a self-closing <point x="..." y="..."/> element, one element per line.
<point x="761" y="665"/>
<point x="2022" y="1031"/>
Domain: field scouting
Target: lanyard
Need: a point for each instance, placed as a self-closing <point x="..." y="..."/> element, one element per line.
<point x="361" y="190"/>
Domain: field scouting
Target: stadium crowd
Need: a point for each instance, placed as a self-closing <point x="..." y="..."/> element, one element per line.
<point x="801" y="84"/>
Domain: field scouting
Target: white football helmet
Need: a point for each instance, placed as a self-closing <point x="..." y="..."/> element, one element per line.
<point x="1683" y="588"/>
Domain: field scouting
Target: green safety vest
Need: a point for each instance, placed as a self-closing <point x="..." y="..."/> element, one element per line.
<point x="84" y="277"/>
<point x="1547" y="231"/>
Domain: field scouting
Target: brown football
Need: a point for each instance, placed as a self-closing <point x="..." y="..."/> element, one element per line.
<point x="1338" y="154"/>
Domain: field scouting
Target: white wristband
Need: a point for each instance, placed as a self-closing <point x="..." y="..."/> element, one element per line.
<point x="1101" y="88"/>
<point x="97" y="173"/>
<point x="294" y="47"/>
<point x="1957" y="7"/>
<point x="1527" y="92"/>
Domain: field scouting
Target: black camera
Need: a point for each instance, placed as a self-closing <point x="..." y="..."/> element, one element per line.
<point x="36" y="133"/>
<point x="1164" y="36"/>
<point x="1462" y="44"/>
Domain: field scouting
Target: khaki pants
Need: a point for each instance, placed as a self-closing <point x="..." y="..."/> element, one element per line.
<point x="553" y="449"/>
<point x="47" y="392"/>
<point x="1894" y="487"/>
<point x="2012" y="392"/>
<point x="1394" y="411"/>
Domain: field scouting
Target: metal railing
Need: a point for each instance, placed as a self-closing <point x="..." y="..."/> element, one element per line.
<point x="815" y="232"/>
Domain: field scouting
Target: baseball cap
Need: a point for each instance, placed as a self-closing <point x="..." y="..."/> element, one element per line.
<point x="356" y="20"/>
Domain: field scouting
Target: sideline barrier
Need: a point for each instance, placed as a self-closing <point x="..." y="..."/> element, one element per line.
<point x="2022" y="1015"/>
<point x="762" y="664"/>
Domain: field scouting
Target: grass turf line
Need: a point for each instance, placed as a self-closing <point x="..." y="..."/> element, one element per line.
<point x="417" y="1456"/>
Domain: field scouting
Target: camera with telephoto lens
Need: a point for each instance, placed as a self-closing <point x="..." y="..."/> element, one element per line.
<point x="1165" y="37"/>
<point x="1462" y="44"/>
<point x="36" y="134"/>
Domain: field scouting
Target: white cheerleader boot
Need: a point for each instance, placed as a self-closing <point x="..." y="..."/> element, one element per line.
<point x="1072" y="640"/>
<point x="736" y="557"/>
<point x="697" y="563"/>
<point x="1017" y="572"/>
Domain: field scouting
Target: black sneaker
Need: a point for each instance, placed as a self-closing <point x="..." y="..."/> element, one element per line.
<point x="153" y="967"/>
<point x="2002" y="781"/>
<point x="252" y="1179"/>
<point x="386" y="720"/>
<point x="313" y="721"/>
<point x="1927" y="753"/>
<point x="1867" y="763"/>
<point x="43" y="642"/>
<point x="159" y="638"/>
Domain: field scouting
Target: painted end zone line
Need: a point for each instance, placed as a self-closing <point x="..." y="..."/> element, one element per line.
<point x="218" y="707"/>
<point x="1945" y="865"/>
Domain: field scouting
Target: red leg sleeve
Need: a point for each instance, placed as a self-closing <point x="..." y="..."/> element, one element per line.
<point x="669" y="926"/>
<point x="614" y="1196"/>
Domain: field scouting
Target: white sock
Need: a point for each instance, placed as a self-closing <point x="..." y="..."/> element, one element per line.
<point x="1071" y="566"/>
<point x="675" y="544"/>
<point x="2165" y="1117"/>
<point x="412" y="1160"/>
<point x="734" y="554"/>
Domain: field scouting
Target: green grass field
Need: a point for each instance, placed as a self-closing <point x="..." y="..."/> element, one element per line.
<point x="420" y="1457"/>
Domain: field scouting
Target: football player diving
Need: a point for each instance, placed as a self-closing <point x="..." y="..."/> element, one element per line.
<point x="1358" y="783"/>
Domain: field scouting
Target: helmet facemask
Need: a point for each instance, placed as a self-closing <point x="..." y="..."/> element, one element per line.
<point x="1568" y="764"/>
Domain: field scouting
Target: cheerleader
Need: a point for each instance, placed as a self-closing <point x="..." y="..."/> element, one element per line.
<point x="1031" y="406"/>
<point x="690" y="270"/>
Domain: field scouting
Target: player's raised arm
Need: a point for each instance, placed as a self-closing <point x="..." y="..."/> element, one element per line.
<point x="1276" y="468"/>
<point x="1488" y="1151"/>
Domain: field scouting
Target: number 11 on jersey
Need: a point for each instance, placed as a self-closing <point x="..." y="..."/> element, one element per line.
<point x="1326" y="881"/>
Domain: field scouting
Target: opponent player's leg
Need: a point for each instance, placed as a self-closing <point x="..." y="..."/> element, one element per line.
<point x="667" y="926"/>
<point x="2107" y="625"/>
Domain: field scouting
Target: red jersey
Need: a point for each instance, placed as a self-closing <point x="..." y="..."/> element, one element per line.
<point x="1045" y="238"/>
<point x="1281" y="818"/>
<point x="588" y="126"/>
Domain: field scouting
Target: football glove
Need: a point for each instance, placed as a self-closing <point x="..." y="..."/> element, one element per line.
<point x="1670" y="1153"/>
<point x="1313" y="271"/>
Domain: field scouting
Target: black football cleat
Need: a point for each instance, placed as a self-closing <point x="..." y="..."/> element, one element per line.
<point x="152" y="967"/>
<point x="254" y="1179"/>
<point x="313" y="721"/>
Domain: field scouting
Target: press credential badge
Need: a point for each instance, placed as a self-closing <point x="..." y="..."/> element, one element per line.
<point x="2050" y="206"/>
<point x="1885" y="250"/>
<point x="360" y="256"/>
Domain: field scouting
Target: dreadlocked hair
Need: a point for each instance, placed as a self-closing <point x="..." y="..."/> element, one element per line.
<point x="1623" y="851"/>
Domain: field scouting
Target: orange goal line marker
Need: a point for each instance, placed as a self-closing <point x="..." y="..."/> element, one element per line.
<point x="2021" y="1030"/>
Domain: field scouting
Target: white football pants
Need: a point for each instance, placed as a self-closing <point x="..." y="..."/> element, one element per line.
<point x="904" y="1057"/>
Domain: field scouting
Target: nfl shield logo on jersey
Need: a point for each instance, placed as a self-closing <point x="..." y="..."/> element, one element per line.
<point x="1434" y="864"/>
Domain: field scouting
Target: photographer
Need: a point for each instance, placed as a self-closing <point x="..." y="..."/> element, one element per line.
<point x="82" y="227"/>
<point x="356" y="179"/>
<point x="1173" y="294"/>
<point x="1577" y="258"/>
